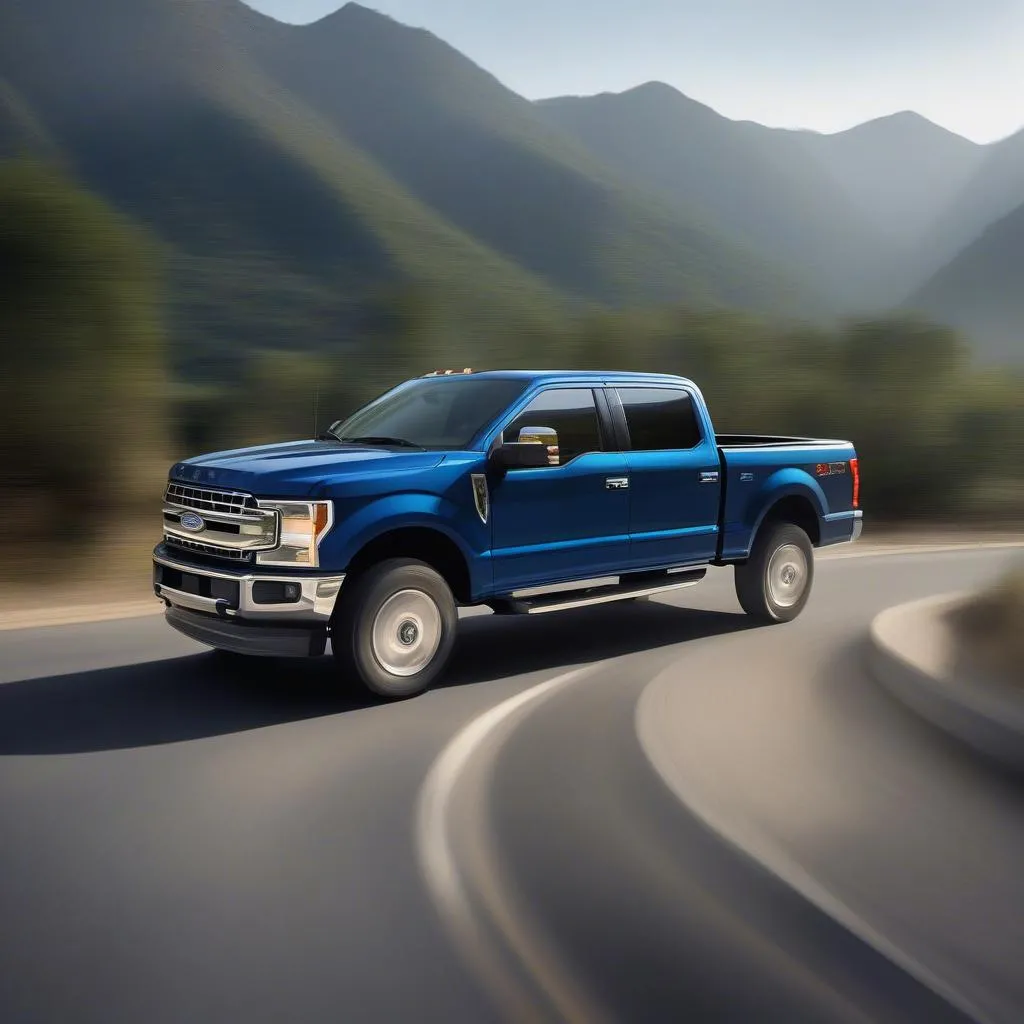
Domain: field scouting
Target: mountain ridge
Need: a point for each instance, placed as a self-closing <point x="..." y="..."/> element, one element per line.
<point x="755" y="181"/>
<point x="981" y="290"/>
<point x="437" y="116"/>
<point x="296" y="173"/>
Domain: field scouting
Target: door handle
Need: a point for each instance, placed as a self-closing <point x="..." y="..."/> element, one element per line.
<point x="709" y="477"/>
<point x="616" y="483"/>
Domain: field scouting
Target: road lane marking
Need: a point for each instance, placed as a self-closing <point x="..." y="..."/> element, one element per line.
<point x="463" y="878"/>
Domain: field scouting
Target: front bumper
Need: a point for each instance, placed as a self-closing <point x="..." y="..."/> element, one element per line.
<point x="236" y="610"/>
<point x="252" y="638"/>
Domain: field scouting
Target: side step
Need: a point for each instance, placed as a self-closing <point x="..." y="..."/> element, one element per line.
<point x="627" y="587"/>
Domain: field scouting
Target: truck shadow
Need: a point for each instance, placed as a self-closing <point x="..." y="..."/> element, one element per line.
<point x="207" y="695"/>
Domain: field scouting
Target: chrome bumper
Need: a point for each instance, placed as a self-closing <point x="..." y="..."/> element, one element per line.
<point x="858" y="525"/>
<point x="230" y="595"/>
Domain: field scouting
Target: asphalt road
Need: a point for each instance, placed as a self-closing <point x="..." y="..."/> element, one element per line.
<point x="187" y="840"/>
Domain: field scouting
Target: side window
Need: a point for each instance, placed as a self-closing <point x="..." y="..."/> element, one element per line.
<point x="660" y="419"/>
<point x="571" y="413"/>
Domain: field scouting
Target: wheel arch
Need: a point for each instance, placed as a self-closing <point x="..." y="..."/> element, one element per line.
<point x="797" y="507"/>
<point x="422" y="543"/>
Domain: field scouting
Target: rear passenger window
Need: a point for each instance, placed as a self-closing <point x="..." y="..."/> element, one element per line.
<point x="660" y="419"/>
<point x="571" y="412"/>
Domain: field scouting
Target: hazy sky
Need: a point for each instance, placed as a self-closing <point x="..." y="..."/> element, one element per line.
<point x="824" y="64"/>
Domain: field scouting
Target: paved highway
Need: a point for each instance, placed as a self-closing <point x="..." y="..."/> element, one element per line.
<point x="644" y="812"/>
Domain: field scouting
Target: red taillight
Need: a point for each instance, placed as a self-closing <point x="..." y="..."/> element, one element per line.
<point x="855" y="470"/>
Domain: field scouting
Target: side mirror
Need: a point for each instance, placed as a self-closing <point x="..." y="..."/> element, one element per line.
<point x="537" y="447"/>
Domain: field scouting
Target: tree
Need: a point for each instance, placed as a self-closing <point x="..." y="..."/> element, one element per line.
<point x="81" y="384"/>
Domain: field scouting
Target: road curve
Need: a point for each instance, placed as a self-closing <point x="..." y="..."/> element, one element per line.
<point x="189" y="840"/>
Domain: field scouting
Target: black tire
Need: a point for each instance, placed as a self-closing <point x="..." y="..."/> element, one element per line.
<point x="775" y="583"/>
<point x="394" y="628"/>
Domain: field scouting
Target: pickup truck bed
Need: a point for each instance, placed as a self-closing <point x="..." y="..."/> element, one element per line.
<point x="781" y="466"/>
<point x="768" y="441"/>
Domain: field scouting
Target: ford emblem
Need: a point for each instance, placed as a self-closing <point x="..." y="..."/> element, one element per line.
<point x="191" y="522"/>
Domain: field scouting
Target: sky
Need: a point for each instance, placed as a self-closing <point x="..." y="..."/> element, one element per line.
<point x="819" y="64"/>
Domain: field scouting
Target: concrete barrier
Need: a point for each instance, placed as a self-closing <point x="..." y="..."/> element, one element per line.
<point x="914" y="656"/>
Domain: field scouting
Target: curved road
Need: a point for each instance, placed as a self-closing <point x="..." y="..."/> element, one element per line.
<point x="669" y="832"/>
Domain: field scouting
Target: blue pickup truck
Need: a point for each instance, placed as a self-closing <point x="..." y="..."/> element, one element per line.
<point x="527" y="492"/>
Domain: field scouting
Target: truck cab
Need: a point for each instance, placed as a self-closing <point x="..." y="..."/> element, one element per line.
<point x="527" y="492"/>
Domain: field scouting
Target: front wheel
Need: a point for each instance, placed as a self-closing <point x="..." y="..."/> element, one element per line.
<point x="394" y="628"/>
<point x="775" y="583"/>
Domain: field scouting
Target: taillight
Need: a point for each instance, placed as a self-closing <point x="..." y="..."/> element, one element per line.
<point x="855" y="470"/>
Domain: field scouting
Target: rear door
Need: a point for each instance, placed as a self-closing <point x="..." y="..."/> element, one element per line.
<point x="568" y="521"/>
<point x="674" y="478"/>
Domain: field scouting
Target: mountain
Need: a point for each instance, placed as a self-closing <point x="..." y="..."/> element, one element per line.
<point x="277" y="228"/>
<point x="480" y="155"/>
<point x="307" y="181"/>
<point x="295" y="173"/>
<point x="994" y="190"/>
<point x="901" y="172"/>
<point x="848" y="209"/>
<point x="981" y="291"/>
<point x="758" y="184"/>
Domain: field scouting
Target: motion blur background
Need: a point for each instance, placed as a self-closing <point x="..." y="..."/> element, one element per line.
<point x="212" y="222"/>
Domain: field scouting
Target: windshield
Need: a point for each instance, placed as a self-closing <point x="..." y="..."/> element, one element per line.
<point x="433" y="412"/>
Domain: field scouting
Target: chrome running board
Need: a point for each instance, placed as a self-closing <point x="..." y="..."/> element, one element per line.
<point x="627" y="588"/>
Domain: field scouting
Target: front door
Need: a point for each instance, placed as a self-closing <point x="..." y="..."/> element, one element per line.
<point x="674" y="479"/>
<point x="567" y="521"/>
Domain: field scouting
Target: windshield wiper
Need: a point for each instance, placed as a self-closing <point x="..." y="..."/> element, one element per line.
<point x="328" y="435"/>
<point x="396" y="442"/>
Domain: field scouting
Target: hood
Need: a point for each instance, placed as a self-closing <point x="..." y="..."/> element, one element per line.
<point x="299" y="469"/>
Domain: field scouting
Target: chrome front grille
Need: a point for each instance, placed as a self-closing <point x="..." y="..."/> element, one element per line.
<point x="223" y="524"/>
<point x="234" y="554"/>
<point x="202" y="499"/>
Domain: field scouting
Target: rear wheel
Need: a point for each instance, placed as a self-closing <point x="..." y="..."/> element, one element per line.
<point x="394" y="628"/>
<point x="775" y="583"/>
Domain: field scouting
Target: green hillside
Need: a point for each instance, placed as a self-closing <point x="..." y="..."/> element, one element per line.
<point x="982" y="291"/>
<point x="81" y="367"/>
<point x="302" y="178"/>
<point x="481" y="156"/>
<point x="279" y="232"/>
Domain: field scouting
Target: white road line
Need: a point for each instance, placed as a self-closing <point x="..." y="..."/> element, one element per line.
<point x="462" y="877"/>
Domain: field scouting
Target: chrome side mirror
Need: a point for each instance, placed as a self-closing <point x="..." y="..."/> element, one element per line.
<point x="536" y="447"/>
<point x="546" y="436"/>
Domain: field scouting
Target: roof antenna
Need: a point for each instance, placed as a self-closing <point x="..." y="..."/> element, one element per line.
<point x="316" y="410"/>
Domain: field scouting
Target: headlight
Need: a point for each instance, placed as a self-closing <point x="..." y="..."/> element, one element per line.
<point x="303" y="525"/>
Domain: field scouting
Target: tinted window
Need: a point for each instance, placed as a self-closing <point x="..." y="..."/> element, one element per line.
<point x="434" y="412"/>
<point x="571" y="412"/>
<point x="660" y="419"/>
